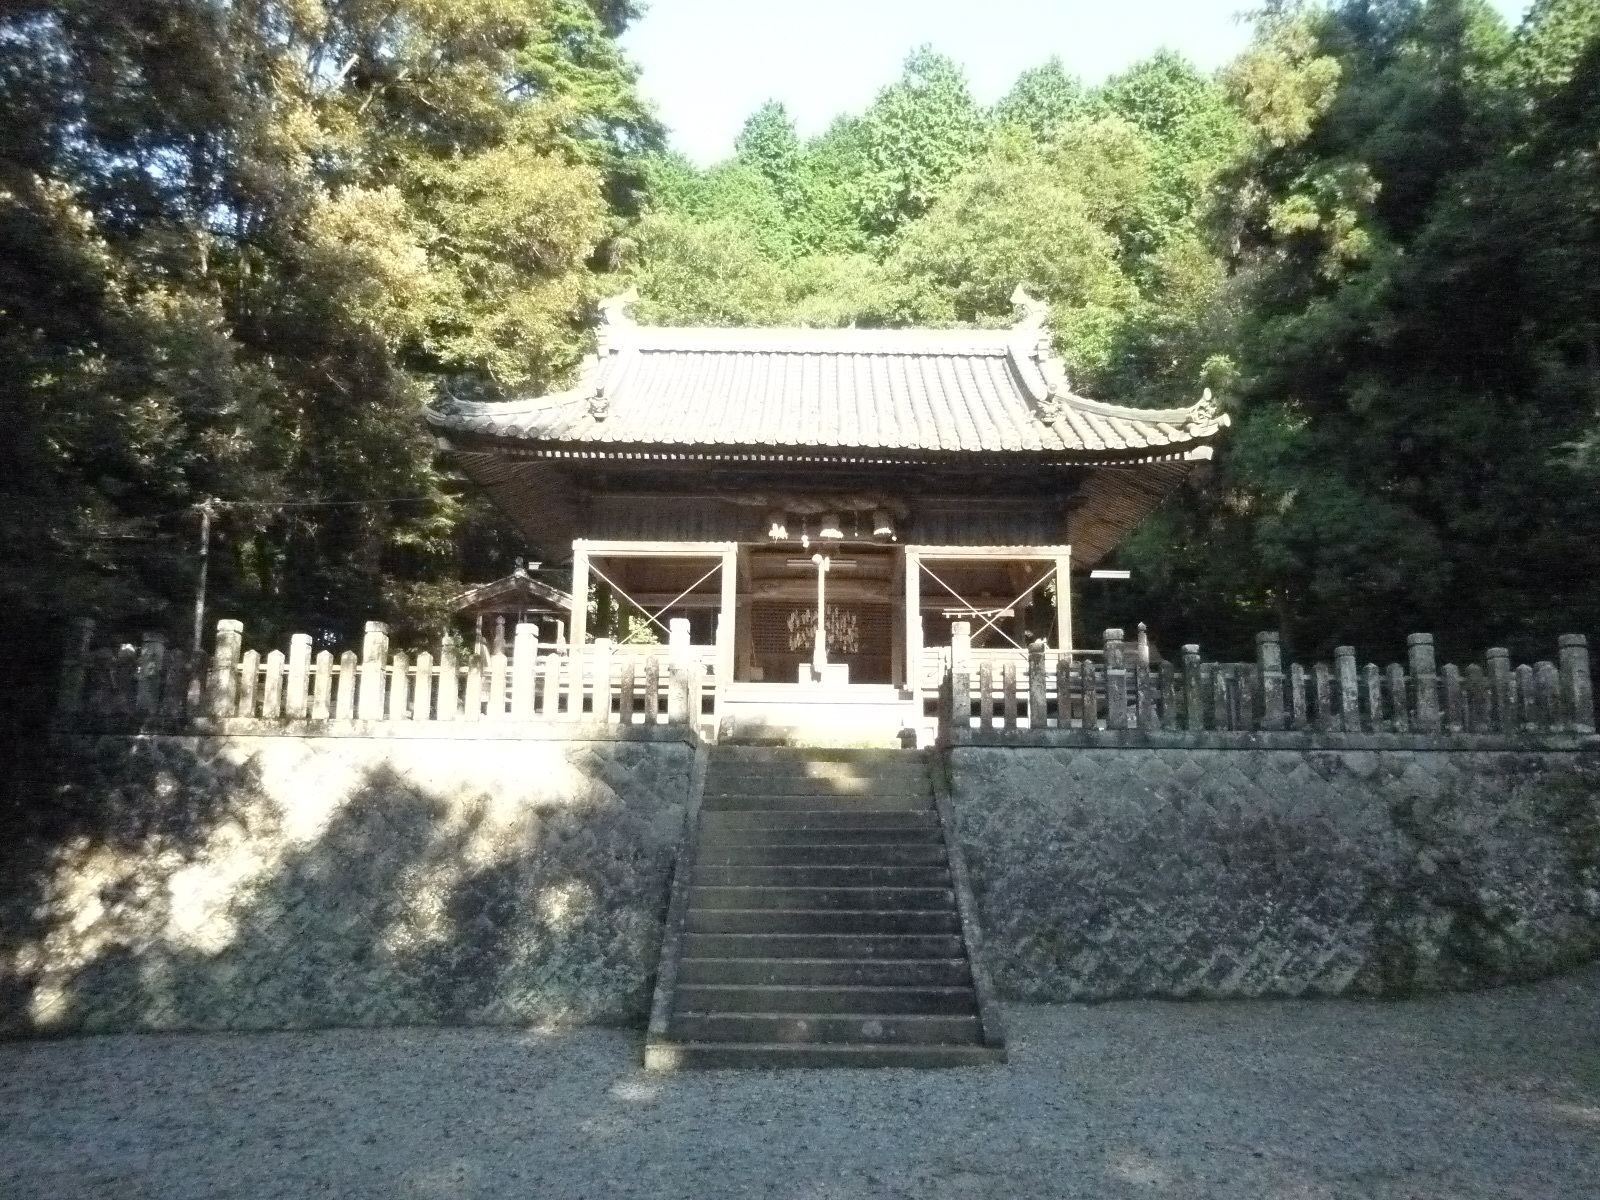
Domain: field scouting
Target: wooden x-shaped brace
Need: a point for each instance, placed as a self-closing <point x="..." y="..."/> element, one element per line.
<point x="989" y="621"/>
<point x="652" y="617"/>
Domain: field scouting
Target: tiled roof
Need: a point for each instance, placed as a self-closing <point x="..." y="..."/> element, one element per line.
<point x="920" y="390"/>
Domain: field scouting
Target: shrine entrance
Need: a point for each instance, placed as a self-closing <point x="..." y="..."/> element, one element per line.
<point x="777" y="639"/>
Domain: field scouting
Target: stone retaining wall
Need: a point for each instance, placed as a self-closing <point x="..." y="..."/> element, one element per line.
<point x="1184" y="872"/>
<point x="283" y="882"/>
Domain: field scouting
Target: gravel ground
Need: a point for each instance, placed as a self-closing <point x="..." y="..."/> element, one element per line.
<point x="1488" y="1095"/>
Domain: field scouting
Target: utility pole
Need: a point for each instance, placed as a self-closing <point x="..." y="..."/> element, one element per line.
<point x="200" y="586"/>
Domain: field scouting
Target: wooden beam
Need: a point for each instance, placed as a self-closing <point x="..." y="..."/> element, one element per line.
<point x="727" y="616"/>
<point x="580" y="595"/>
<point x="630" y="549"/>
<point x="1013" y="553"/>
<point x="1064" y="604"/>
<point x="913" y="663"/>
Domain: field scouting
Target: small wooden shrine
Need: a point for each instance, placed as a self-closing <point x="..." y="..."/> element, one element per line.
<point x="877" y="484"/>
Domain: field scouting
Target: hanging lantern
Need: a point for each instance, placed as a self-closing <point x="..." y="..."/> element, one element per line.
<point x="882" y="526"/>
<point x="830" y="527"/>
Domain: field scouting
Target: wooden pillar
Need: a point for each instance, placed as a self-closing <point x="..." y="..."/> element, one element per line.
<point x="580" y="595"/>
<point x="913" y="621"/>
<point x="727" y="617"/>
<point x="1064" y="604"/>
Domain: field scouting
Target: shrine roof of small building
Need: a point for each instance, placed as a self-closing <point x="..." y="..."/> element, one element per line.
<point x="915" y="390"/>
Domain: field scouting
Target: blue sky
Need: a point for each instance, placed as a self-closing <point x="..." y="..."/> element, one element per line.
<point x="709" y="63"/>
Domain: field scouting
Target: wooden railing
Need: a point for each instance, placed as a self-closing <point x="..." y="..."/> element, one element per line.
<point x="633" y="685"/>
<point x="1123" y="689"/>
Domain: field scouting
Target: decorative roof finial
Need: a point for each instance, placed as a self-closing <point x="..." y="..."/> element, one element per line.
<point x="1035" y="312"/>
<point x="1206" y="412"/>
<point x="613" y="309"/>
<point x="599" y="403"/>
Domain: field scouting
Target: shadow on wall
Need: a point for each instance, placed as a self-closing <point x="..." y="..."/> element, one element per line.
<point x="275" y="883"/>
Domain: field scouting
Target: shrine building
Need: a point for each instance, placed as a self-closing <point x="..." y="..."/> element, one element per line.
<point x="890" y="480"/>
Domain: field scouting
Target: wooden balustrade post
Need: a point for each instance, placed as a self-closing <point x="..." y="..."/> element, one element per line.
<point x="272" y="689"/>
<point x="1398" y="698"/>
<point x="1423" y="669"/>
<point x="472" y="697"/>
<point x="1323" y="718"/>
<point x="374" y="654"/>
<point x="495" y="708"/>
<point x="1269" y="665"/>
<point x="1038" y="681"/>
<point x="223" y="694"/>
<point x="1480" y="700"/>
<point x="652" y="690"/>
<point x="322" y="687"/>
<point x="422" y="690"/>
<point x="74" y="673"/>
<point x="1299" y="711"/>
<point x="399" y="686"/>
<point x="1502" y="716"/>
<point x="1194" y="717"/>
<point x="1526" y="702"/>
<point x="961" y="675"/>
<point x="147" y="690"/>
<point x="1344" y="668"/>
<point x="1547" y="696"/>
<point x="449" y="679"/>
<point x="349" y="669"/>
<point x="1008" y="693"/>
<point x="1577" y="690"/>
<point x="524" y="660"/>
<point x="294" y="701"/>
<point x="249" y="682"/>
<point x="602" y="659"/>
<point x="1372" y="695"/>
<point x="175" y="687"/>
<point x="1116" y="681"/>
<point x="1454" y="717"/>
<point x="625" y="690"/>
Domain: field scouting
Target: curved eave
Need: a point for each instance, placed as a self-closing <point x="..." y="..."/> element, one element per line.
<point x="512" y="446"/>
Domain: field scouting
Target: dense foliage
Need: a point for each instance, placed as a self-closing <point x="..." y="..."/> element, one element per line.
<point x="242" y="244"/>
<point x="239" y="247"/>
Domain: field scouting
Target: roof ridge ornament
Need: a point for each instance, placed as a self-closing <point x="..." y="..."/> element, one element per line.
<point x="614" y="319"/>
<point x="1035" y="312"/>
<point x="1206" y="414"/>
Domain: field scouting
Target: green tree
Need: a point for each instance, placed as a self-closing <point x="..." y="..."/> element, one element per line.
<point x="1042" y="100"/>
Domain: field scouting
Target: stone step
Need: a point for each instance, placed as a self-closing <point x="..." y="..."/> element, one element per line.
<point x="759" y="1055"/>
<point x="829" y="1028"/>
<point x="812" y="875"/>
<point x="817" y="972"/>
<point x="928" y="852"/>
<point x="824" y="922"/>
<point x="820" y="945"/>
<point x="829" y="998"/>
<point x="718" y="839"/>
<point x="835" y="898"/>
<point x="784" y="802"/>
<point x="862" y="818"/>
<point x="738" y="783"/>
<point x="787" y="756"/>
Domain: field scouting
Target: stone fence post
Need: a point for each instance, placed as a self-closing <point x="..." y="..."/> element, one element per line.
<point x="225" y="668"/>
<point x="1116" y="681"/>
<point x="1344" y="669"/>
<point x="1269" y="662"/>
<point x="524" y="656"/>
<point x="1502" y="708"/>
<point x="1038" y="705"/>
<point x="961" y="675"/>
<point x="680" y="678"/>
<point x="1577" y="690"/>
<point x="299" y="675"/>
<point x="449" y="682"/>
<point x="374" y="654"/>
<point x="148" y="675"/>
<point x="1194" y="714"/>
<point x="1426" y="715"/>
<point x="74" y="672"/>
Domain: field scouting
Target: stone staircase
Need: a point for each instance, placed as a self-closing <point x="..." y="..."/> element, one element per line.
<point x="817" y="921"/>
